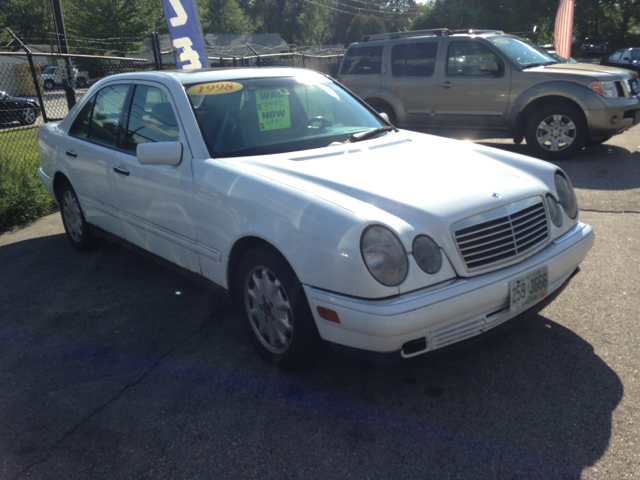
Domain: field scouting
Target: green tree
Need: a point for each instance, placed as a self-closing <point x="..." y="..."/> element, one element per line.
<point x="296" y="21"/>
<point x="363" y="25"/>
<point x="224" y="16"/>
<point x="26" y="18"/>
<point x="109" y="27"/>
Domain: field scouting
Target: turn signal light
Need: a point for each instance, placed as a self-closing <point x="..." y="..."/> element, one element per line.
<point x="328" y="315"/>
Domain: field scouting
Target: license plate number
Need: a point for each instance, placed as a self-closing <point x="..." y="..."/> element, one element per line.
<point x="528" y="289"/>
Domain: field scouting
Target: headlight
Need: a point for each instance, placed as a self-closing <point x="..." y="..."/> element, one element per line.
<point x="554" y="211"/>
<point x="427" y="254"/>
<point x="566" y="196"/>
<point x="607" y="89"/>
<point x="384" y="255"/>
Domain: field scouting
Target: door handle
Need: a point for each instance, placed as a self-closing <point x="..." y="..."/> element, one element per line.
<point x="121" y="171"/>
<point x="71" y="153"/>
<point x="446" y="84"/>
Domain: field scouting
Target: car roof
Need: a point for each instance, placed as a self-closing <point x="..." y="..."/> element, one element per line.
<point x="441" y="32"/>
<point x="217" y="74"/>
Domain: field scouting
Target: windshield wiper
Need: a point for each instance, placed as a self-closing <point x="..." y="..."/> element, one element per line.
<point x="358" y="137"/>
<point x="540" y="64"/>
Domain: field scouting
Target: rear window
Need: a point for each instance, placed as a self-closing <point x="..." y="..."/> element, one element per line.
<point x="414" y="59"/>
<point x="362" y="61"/>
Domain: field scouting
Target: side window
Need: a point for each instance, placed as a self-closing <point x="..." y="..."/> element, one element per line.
<point x="463" y="58"/>
<point x="616" y="56"/>
<point x="414" y="59"/>
<point x="362" y="61"/>
<point x="80" y="126"/>
<point x="151" y="118"/>
<point x="106" y="114"/>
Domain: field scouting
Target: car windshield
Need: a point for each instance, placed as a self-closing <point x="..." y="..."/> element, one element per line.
<point x="522" y="52"/>
<point x="50" y="70"/>
<point x="275" y="115"/>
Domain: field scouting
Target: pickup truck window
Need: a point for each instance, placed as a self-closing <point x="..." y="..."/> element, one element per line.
<point x="414" y="59"/>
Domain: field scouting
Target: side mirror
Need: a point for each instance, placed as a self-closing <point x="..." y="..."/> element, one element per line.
<point x="161" y="153"/>
<point x="385" y="116"/>
<point x="626" y="58"/>
<point x="488" y="66"/>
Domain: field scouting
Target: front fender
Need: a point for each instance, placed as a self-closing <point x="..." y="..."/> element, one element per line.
<point x="320" y="240"/>
<point x="582" y="96"/>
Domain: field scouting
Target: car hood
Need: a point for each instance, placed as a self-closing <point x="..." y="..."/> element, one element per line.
<point x="411" y="182"/>
<point x="587" y="69"/>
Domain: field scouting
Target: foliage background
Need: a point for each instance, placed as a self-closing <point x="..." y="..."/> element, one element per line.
<point x="119" y="26"/>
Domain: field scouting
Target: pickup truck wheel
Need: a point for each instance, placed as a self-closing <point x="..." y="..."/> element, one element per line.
<point x="274" y="309"/>
<point x="75" y="225"/>
<point x="48" y="84"/>
<point x="556" y="132"/>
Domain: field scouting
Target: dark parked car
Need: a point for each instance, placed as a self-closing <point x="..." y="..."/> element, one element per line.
<point x="15" y="109"/>
<point x="628" y="58"/>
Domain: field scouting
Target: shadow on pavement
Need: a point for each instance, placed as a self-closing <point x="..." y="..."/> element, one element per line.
<point x="114" y="367"/>
<point x="615" y="168"/>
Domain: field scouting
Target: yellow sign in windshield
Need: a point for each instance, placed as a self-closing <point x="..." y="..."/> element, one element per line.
<point x="273" y="109"/>
<point x="215" y="88"/>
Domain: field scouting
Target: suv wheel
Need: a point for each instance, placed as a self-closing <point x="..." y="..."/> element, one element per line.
<point x="48" y="84"/>
<point x="556" y="132"/>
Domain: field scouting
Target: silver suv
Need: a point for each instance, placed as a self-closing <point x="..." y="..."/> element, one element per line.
<point x="488" y="84"/>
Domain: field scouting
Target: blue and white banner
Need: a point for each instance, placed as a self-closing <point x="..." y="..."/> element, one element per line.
<point x="186" y="33"/>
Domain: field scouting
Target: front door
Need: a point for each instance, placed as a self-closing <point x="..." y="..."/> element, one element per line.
<point x="156" y="201"/>
<point x="468" y="96"/>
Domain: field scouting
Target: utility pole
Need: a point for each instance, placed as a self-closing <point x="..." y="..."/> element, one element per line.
<point x="63" y="49"/>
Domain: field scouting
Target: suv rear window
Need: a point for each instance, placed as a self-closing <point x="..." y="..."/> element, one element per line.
<point x="362" y="61"/>
<point x="414" y="59"/>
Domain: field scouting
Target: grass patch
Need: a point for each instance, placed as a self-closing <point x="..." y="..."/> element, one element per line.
<point x="22" y="195"/>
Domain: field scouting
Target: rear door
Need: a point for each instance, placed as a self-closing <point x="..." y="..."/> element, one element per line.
<point x="469" y="97"/>
<point x="90" y="148"/>
<point x="413" y="80"/>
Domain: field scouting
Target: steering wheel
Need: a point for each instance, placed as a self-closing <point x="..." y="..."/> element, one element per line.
<point x="324" y="123"/>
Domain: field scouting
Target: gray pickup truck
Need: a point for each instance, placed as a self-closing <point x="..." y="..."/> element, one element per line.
<point x="488" y="84"/>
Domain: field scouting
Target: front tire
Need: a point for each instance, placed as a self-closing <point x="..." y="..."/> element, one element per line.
<point x="75" y="225"/>
<point x="556" y="132"/>
<point x="48" y="84"/>
<point x="28" y="116"/>
<point x="274" y="309"/>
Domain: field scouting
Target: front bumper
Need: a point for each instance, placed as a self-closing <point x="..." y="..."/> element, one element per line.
<point x="444" y="314"/>
<point x="612" y="121"/>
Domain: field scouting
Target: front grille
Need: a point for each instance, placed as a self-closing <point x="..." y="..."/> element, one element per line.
<point x="495" y="241"/>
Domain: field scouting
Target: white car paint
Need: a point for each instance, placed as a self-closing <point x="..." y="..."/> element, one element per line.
<point x="313" y="207"/>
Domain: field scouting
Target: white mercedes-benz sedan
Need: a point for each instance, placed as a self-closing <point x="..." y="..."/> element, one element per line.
<point x="322" y="221"/>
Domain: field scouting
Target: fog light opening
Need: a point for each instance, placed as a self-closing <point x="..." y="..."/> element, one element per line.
<point x="614" y="119"/>
<point x="414" y="347"/>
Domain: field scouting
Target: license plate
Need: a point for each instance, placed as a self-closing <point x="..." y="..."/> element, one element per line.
<point x="528" y="289"/>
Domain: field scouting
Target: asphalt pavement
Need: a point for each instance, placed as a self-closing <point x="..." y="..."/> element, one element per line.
<point x="115" y="367"/>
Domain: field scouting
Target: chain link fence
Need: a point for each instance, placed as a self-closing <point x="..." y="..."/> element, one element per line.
<point x="40" y="88"/>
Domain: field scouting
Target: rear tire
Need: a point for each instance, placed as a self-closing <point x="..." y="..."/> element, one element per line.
<point x="556" y="132"/>
<point x="274" y="309"/>
<point x="75" y="226"/>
